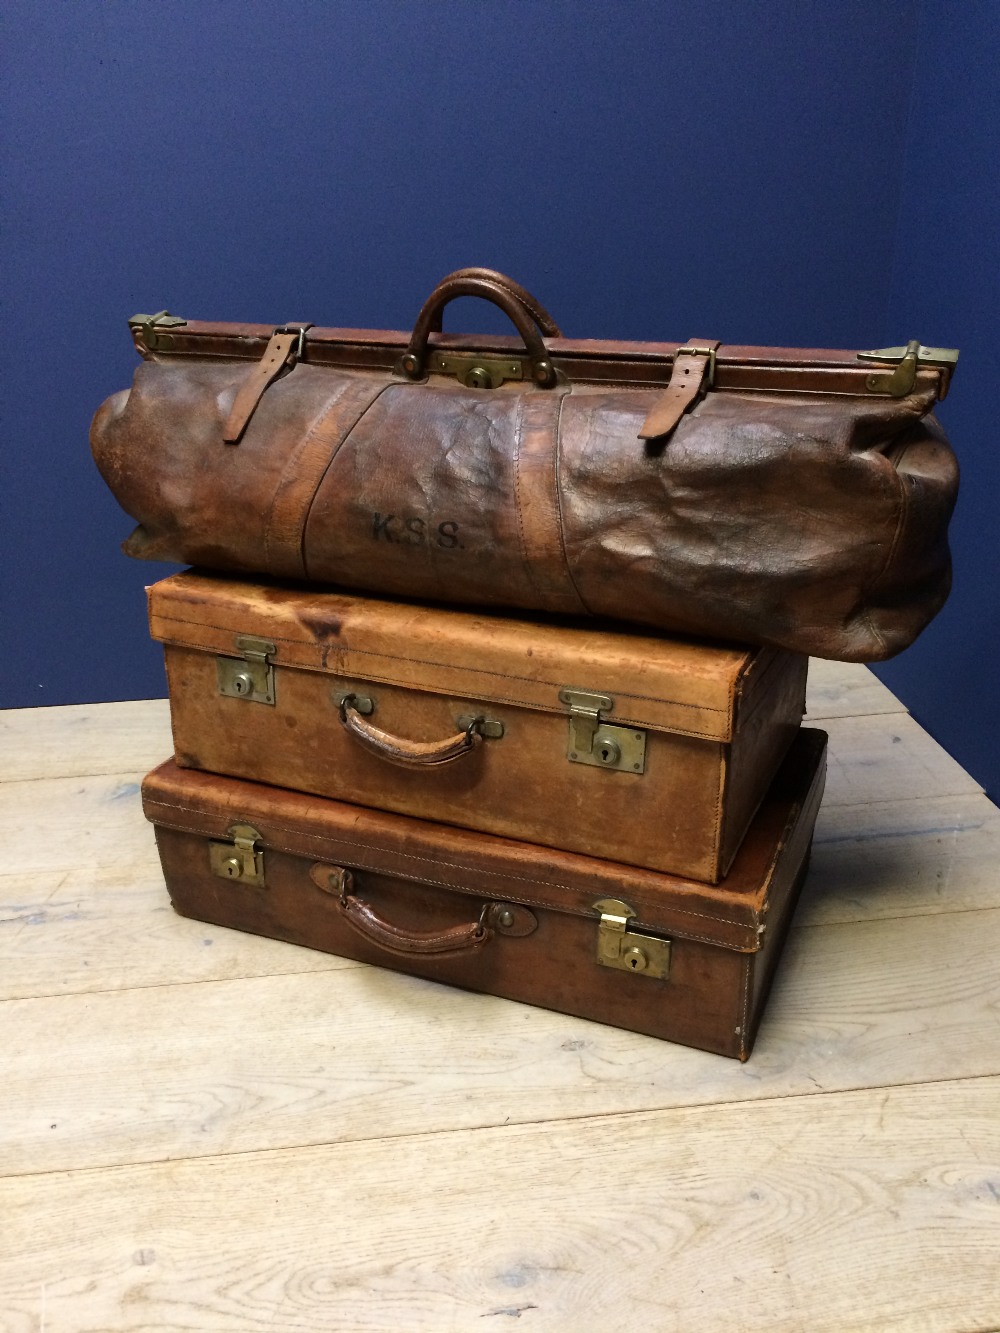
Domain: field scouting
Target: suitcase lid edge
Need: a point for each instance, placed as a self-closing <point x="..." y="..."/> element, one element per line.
<point x="731" y="914"/>
<point x="673" y="684"/>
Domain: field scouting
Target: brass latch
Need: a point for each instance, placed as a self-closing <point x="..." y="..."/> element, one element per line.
<point x="250" y="676"/>
<point x="240" y="858"/>
<point x="625" y="949"/>
<point x="909" y="358"/>
<point x="593" y="741"/>
<point x="149" y="328"/>
<point x="476" y="372"/>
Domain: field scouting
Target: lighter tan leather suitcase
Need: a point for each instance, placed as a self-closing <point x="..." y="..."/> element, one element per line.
<point x="654" y="752"/>
<point x="654" y="953"/>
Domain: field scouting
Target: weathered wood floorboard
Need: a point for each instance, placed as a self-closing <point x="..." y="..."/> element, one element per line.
<point x="865" y="1210"/>
<point x="206" y="1130"/>
<point x="274" y="1061"/>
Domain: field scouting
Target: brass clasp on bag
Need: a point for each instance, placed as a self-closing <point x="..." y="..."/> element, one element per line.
<point x="901" y="381"/>
<point x="148" y="330"/>
<point x="628" y="950"/>
<point x="239" y="859"/>
<point x="475" y="372"/>
<point x="248" y="677"/>
<point x="596" y="742"/>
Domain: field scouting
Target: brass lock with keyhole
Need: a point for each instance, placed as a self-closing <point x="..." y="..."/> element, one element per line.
<point x="625" y="949"/>
<point x="250" y="676"/>
<point x="593" y="740"/>
<point x="241" y="859"/>
<point x="479" y="378"/>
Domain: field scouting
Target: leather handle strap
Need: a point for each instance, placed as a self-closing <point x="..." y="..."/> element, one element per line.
<point x="283" y="349"/>
<point x="535" y="309"/>
<point x="495" y="290"/>
<point x="366" y="921"/>
<point x="407" y="753"/>
<point x="693" y="373"/>
<point x="399" y="939"/>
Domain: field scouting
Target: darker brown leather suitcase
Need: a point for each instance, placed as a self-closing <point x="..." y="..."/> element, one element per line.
<point x="650" y="751"/>
<point x="654" y="953"/>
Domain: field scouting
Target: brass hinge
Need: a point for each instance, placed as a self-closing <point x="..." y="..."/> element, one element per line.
<point x="250" y="676"/>
<point x="909" y="358"/>
<point x="149" y="329"/>
<point x="240" y="858"/>
<point x="593" y="741"/>
<point x="625" y="949"/>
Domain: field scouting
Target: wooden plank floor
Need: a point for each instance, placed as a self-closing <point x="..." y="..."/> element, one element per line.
<point x="204" y="1130"/>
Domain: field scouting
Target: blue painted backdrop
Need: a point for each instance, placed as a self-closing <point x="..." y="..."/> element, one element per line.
<point x="776" y="172"/>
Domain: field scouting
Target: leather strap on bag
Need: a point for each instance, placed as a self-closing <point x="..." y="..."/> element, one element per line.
<point x="283" y="349"/>
<point x="693" y="373"/>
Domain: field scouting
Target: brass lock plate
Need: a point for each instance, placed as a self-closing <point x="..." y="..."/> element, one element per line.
<point x="239" y="860"/>
<point x="598" y="743"/>
<point x="629" y="950"/>
<point x="251" y="676"/>
<point x="476" y="372"/>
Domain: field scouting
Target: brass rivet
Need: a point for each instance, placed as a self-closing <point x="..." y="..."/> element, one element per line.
<point x="543" y="372"/>
<point x="505" y="918"/>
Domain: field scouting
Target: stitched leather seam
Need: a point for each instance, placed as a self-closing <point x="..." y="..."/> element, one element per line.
<point x="333" y="457"/>
<point x="516" y="469"/>
<point x="717" y="812"/>
<point x="744" y="1035"/>
<point x="294" y="466"/>
<point x="560" y="517"/>
<point x="435" y="860"/>
<point x="900" y="521"/>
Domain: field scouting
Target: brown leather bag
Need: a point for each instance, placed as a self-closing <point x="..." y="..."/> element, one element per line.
<point x="764" y="495"/>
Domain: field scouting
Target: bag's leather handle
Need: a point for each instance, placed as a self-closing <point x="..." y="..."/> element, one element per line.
<point x="407" y="753"/>
<point x="534" y="307"/>
<point x="367" y="922"/>
<point x="525" y="315"/>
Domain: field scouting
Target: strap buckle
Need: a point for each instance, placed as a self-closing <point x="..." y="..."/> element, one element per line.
<point x="701" y="349"/>
<point x="298" y="352"/>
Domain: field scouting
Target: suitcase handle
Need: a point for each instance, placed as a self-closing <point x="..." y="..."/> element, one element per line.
<point x="407" y="753"/>
<point x="367" y="922"/>
<point x="526" y="314"/>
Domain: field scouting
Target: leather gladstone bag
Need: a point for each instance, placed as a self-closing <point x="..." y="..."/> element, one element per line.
<point x="774" y="496"/>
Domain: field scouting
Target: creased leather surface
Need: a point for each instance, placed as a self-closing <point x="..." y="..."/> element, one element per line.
<point x="810" y="521"/>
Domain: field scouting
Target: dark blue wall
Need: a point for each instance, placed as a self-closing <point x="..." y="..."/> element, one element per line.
<point x="648" y="171"/>
<point x="946" y="286"/>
